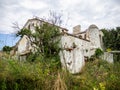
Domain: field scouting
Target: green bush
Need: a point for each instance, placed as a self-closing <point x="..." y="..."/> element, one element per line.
<point x="38" y="75"/>
<point x="7" y="49"/>
<point x="98" y="52"/>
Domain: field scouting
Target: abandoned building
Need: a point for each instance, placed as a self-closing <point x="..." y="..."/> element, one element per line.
<point x="76" y="47"/>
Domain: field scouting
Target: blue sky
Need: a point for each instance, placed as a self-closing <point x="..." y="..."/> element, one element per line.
<point x="103" y="13"/>
<point x="8" y="40"/>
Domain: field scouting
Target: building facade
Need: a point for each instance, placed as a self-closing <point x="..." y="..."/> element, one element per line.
<point x="76" y="47"/>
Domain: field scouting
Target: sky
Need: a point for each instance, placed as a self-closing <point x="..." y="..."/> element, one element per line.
<point x="103" y="13"/>
<point x="8" y="40"/>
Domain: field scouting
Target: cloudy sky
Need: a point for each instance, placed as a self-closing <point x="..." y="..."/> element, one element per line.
<point x="103" y="13"/>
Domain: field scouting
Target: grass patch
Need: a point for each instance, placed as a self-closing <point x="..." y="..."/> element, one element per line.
<point x="96" y="75"/>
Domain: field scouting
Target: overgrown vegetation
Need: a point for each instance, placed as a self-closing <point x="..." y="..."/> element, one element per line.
<point x="97" y="55"/>
<point x="44" y="39"/>
<point x="111" y="41"/>
<point x="7" y="49"/>
<point x="111" y="38"/>
<point x="96" y="75"/>
<point x="45" y="73"/>
<point x="98" y="52"/>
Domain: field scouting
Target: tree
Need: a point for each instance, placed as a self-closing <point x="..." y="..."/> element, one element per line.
<point x="45" y="39"/>
<point x="7" y="49"/>
<point x="111" y="38"/>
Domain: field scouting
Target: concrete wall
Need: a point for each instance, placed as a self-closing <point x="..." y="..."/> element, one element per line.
<point x="23" y="44"/>
<point x="94" y="38"/>
<point x="32" y="23"/>
<point x="108" y="57"/>
<point x="72" y="54"/>
<point x="76" y="29"/>
<point x="73" y="49"/>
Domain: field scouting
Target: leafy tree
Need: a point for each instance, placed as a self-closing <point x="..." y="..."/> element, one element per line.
<point x="7" y="49"/>
<point x="111" y="38"/>
<point x="45" y="39"/>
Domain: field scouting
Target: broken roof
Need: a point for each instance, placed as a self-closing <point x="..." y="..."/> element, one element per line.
<point x="41" y="20"/>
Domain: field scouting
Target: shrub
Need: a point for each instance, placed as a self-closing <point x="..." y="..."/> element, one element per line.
<point x="98" y="52"/>
<point x="98" y="74"/>
<point x="7" y="49"/>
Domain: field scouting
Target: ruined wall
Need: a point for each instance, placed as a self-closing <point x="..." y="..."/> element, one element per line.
<point x="73" y="50"/>
<point x="23" y="45"/>
<point x="31" y="24"/>
<point x="72" y="54"/>
<point x="94" y="37"/>
<point x="108" y="57"/>
<point x="76" y="29"/>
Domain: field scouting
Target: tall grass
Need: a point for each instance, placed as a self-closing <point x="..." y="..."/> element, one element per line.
<point x="96" y="75"/>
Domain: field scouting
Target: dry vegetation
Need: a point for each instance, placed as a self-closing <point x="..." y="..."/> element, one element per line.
<point x="96" y="75"/>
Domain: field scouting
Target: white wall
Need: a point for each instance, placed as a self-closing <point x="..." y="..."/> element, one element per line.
<point x="71" y="57"/>
<point x="108" y="57"/>
<point x="94" y="38"/>
<point x="23" y="45"/>
<point x="73" y="60"/>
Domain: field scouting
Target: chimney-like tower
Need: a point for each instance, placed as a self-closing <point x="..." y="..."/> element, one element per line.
<point x="76" y="29"/>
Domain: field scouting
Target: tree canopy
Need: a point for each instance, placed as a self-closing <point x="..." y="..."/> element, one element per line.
<point x="7" y="49"/>
<point x="111" y="38"/>
<point x="111" y="41"/>
<point x="43" y="39"/>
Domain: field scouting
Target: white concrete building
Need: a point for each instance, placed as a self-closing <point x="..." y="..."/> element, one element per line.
<point x="85" y="45"/>
<point x="76" y="47"/>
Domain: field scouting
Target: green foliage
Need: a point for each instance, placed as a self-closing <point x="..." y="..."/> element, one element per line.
<point x="23" y="32"/>
<point x="45" y="39"/>
<point x="98" y="52"/>
<point x="32" y="57"/>
<point x="111" y="38"/>
<point x="15" y="75"/>
<point x="92" y="58"/>
<point x="111" y="41"/>
<point x="7" y="49"/>
<point x="99" y="74"/>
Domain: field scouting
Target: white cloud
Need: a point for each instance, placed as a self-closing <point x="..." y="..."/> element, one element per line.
<point x="18" y="13"/>
<point x="33" y="4"/>
<point x="103" y="13"/>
